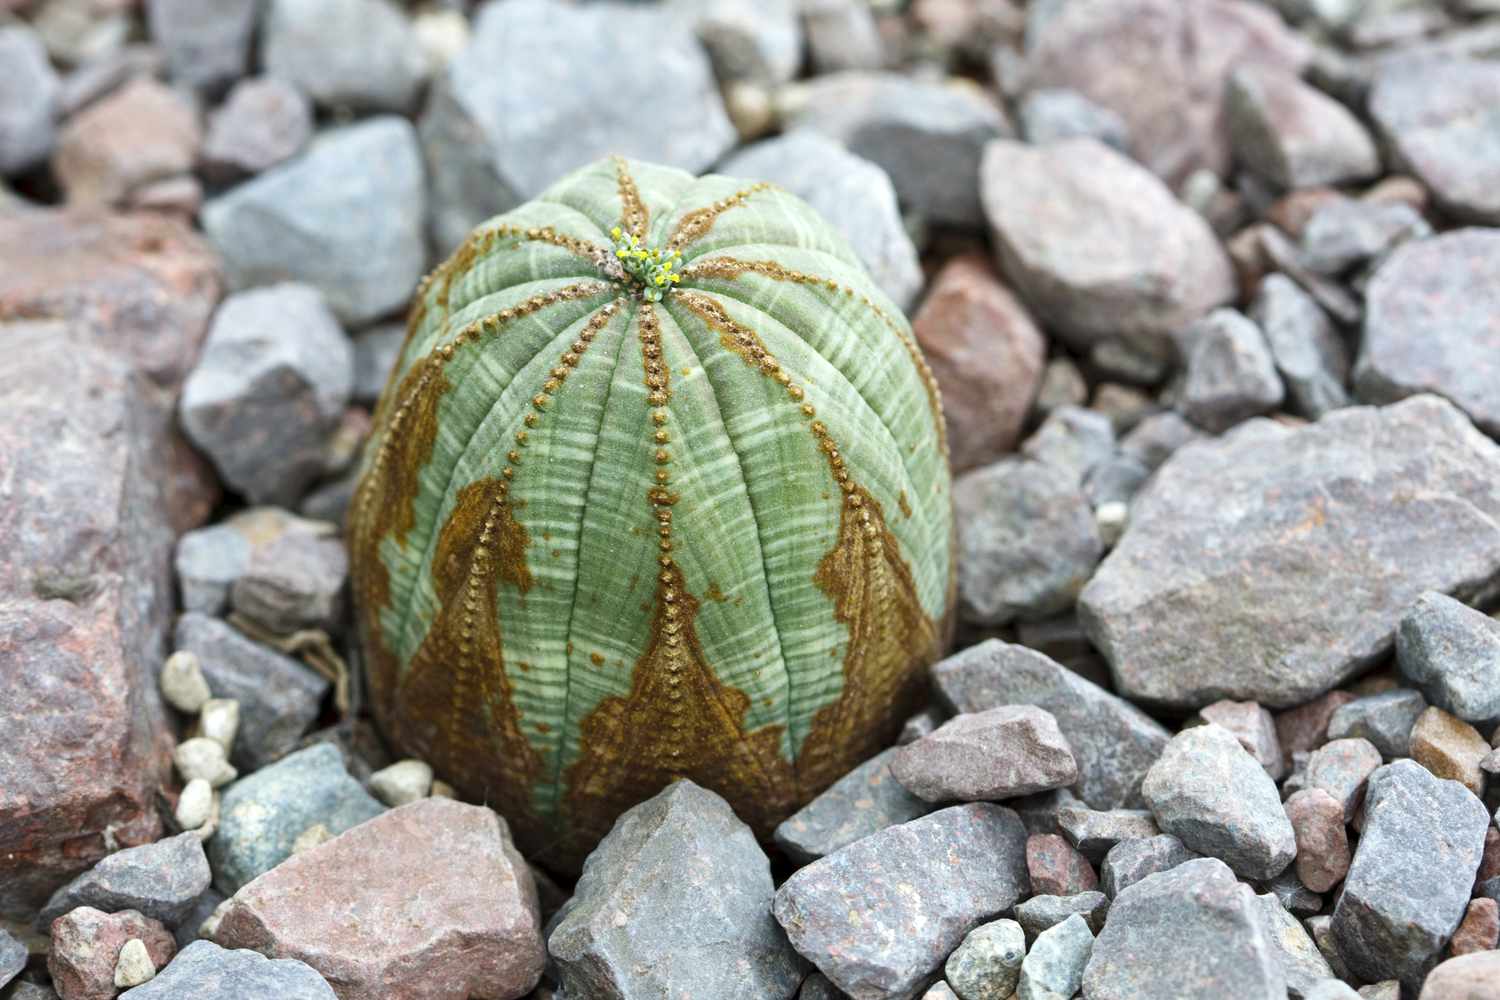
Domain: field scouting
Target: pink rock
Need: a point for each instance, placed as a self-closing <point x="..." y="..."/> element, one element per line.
<point x="1305" y="728"/>
<point x="987" y="756"/>
<point x="1489" y="864"/>
<point x="433" y="902"/>
<point x="1480" y="929"/>
<point x="1341" y="768"/>
<point x="143" y="132"/>
<point x="1467" y="977"/>
<point x="1056" y="867"/>
<point x="1322" y="842"/>
<point x="86" y="945"/>
<point x="1253" y="727"/>
<point x="987" y="354"/>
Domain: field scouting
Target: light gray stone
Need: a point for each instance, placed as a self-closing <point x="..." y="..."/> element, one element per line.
<point x="13" y="955"/>
<point x="1331" y="989"/>
<point x="1231" y="375"/>
<point x="1095" y="831"/>
<point x="357" y="54"/>
<point x="204" y="971"/>
<point x="263" y="122"/>
<point x="1385" y="719"/>
<point x="1129" y="861"/>
<point x="998" y="753"/>
<point x="1039" y="913"/>
<point x="1048" y="115"/>
<point x="1453" y="652"/>
<point x="1348" y="232"/>
<point x="987" y="965"/>
<point x="865" y="800"/>
<point x="1308" y="352"/>
<point x="1301" y="962"/>
<point x="1053" y="968"/>
<point x="757" y="43"/>
<point x="841" y="35"/>
<point x="207" y="45"/>
<point x="1073" y="439"/>
<point x="1292" y="135"/>
<point x="28" y="100"/>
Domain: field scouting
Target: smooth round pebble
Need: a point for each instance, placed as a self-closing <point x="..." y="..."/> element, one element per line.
<point x="219" y="720"/>
<point x="201" y="757"/>
<point x="134" y="966"/>
<point x="194" y="804"/>
<point x="183" y="684"/>
<point x="403" y="782"/>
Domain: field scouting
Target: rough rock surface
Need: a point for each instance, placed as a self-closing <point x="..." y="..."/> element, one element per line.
<point x="1231" y="374"/>
<point x="987" y="964"/>
<point x="161" y="880"/>
<point x="354" y="54"/>
<point x="204" y="971"/>
<point x="1429" y="325"/>
<point x="1129" y="861"/>
<point x="141" y="133"/>
<point x="1207" y="596"/>
<point x="86" y="945"/>
<point x="473" y="929"/>
<point x="1341" y="768"/>
<point x="1292" y="135"/>
<point x="1048" y="115"/>
<point x="263" y="122"/>
<point x="1041" y="912"/>
<point x="1253" y="727"/>
<point x="1191" y="931"/>
<point x="675" y="900"/>
<point x="206" y="46"/>
<point x="865" y="800"/>
<point x="1322" y="842"/>
<point x="998" y="753"/>
<point x="1213" y="796"/>
<point x="1449" y="748"/>
<point x="1053" y="968"/>
<point x="1095" y="831"/>
<point x="1413" y="869"/>
<point x="1385" y="719"/>
<point x="1056" y="867"/>
<point x="882" y="914"/>
<point x="1073" y="439"/>
<point x="1097" y="246"/>
<point x="1467" y="977"/>
<point x="1113" y="742"/>
<point x="1301" y="962"/>
<point x="1453" y="652"/>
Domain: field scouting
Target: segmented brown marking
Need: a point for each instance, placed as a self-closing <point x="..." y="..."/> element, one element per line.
<point x="891" y="639"/>
<point x="730" y="268"/>
<point x="679" y="720"/>
<point x="635" y="218"/>
<point x="696" y="223"/>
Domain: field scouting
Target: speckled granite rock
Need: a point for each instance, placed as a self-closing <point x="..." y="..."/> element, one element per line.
<point x="1453" y="652"/>
<point x="995" y="754"/>
<point x="160" y="880"/>
<point x="204" y="971"/>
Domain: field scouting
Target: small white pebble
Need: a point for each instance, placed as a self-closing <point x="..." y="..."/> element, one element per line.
<point x="209" y="828"/>
<point x="442" y="790"/>
<point x="194" y="804"/>
<point x="134" y="966"/>
<point x="1110" y="519"/>
<point x="201" y="757"/>
<point x="404" y="781"/>
<point x="210" y="924"/>
<point x="311" y="837"/>
<point x="182" y="682"/>
<point x="219" y="720"/>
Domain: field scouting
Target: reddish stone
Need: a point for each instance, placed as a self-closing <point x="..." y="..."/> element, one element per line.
<point x="987" y="354"/>
<point x="1467" y="977"/>
<point x="86" y="945"/>
<point x="1252" y="726"/>
<point x="1305" y="728"/>
<point x="1056" y="867"/>
<point x="1489" y="864"/>
<point x="141" y="133"/>
<point x="1322" y="841"/>
<point x="473" y="929"/>
<point x="1480" y="929"/>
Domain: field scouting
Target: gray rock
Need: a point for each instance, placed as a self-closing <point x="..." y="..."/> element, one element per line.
<point x="187" y="931"/>
<point x="1453" y="652"/>
<point x="1114" y="480"/>
<point x="505" y="120"/>
<point x="1214" y="797"/>
<point x="1039" y="913"/>
<point x="356" y="54"/>
<point x="1321" y="929"/>
<point x="841" y="35"/>
<point x="204" y="971"/>
<point x="1309" y="354"/>
<point x="1437" y="118"/>
<point x="376" y="351"/>
<point x="920" y="724"/>
<point x="207" y="45"/>
<point x="1231" y="375"/>
<point x="862" y="802"/>
<point x="854" y="195"/>
<point x="1062" y="385"/>
<point x="208" y="560"/>
<point x="1113" y="742"/>
<point x="677" y="898"/>
<point x="1412" y="873"/>
<point x="1049" y="115"/>
<point x="1195" y="924"/>
<point x="1428" y="327"/>
<point x="1294" y="897"/>
<point x="1129" y="861"/>
<point x="987" y="964"/>
<point x="1341" y="768"/>
<point x="1095" y="831"/>
<point x="1301" y="962"/>
<point x="1027" y="542"/>
<point x="28" y="100"/>
<point x="1053" y="969"/>
<point x="263" y="122"/>
<point x="814" y="987"/>
<point x="295" y="577"/>
<point x="1157" y="436"/>
<point x="1293" y="136"/>
<point x="1097" y="246"/>
<point x="1253" y="727"/>
<point x="1347" y="232"/>
<point x="1279" y="253"/>
<point x="1208" y="596"/>
<point x="269" y="390"/>
<point x="759" y="43"/>
<point x="309" y="220"/>
<point x="161" y="880"/>
<point x="13" y="955"/>
<point x="880" y="916"/>
<point x="1073" y="439"/>
<point x="263" y="814"/>
<point x="926" y="136"/>
<point x="279" y="697"/>
<point x="1385" y="719"/>
<point x="998" y="753"/>
<point x="1331" y="989"/>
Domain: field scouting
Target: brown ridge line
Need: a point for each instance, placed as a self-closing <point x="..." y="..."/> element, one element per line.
<point x="634" y="214"/>
<point x="695" y="225"/>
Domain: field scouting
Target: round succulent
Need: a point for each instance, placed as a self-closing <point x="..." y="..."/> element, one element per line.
<point x="658" y="489"/>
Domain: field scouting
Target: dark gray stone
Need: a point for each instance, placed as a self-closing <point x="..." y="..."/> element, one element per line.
<point x="854" y="195"/>
<point x="1294" y="897"/>
<point x="1072" y="439"/>
<point x="926" y="136"/>
<point x="1214" y="797"/>
<point x="1039" y="913"/>
<point x="1026" y="541"/>
<point x="1129" y="861"/>
<point x="1097" y="246"/>
<point x="1157" y="436"/>
<point x="1113" y="742"/>
<point x="376" y="351"/>
<point x="13" y="955"/>
<point x="675" y="899"/>
<point x="357" y="54"/>
<point x="512" y="113"/>
<point x="204" y="971"/>
<point x="1385" y="719"/>
<point x="263" y="122"/>
<point x="1231" y="375"/>
<point x="1453" y="652"/>
<point x="1308" y="352"/>
<point x="1208" y="593"/>
<point x="998" y="753"/>
<point x="1095" y="831"/>
<point x="881" y="915"/>
<point x="263" y="814"/>
<point x="207" y="45"/>
<point x="1196" y="928"/>
<point x="161" y="880"/>
<point x="1292" y="135"/>
<point x="1429" y="325"/>
<point x="1053" y="969"/>
<point x="1347" y="232"/>
<point x="865" y="800"/>
<point x="28" y="100"/>
<point x="814" y="987"/>
<point x="1301" y="962"/>
<point x="1412" y="874"/>
<point x="1438" y="118"/>
<point x="309" y="220"/>
<point x="1048" y="115"/>
<point x="203" y="907"/>
<point x="987" y="964"/>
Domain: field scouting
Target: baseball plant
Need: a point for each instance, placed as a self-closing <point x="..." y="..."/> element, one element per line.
<point x="658" y="489"/>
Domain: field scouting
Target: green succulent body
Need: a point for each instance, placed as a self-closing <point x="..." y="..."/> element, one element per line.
<point x="658" y="489"/>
